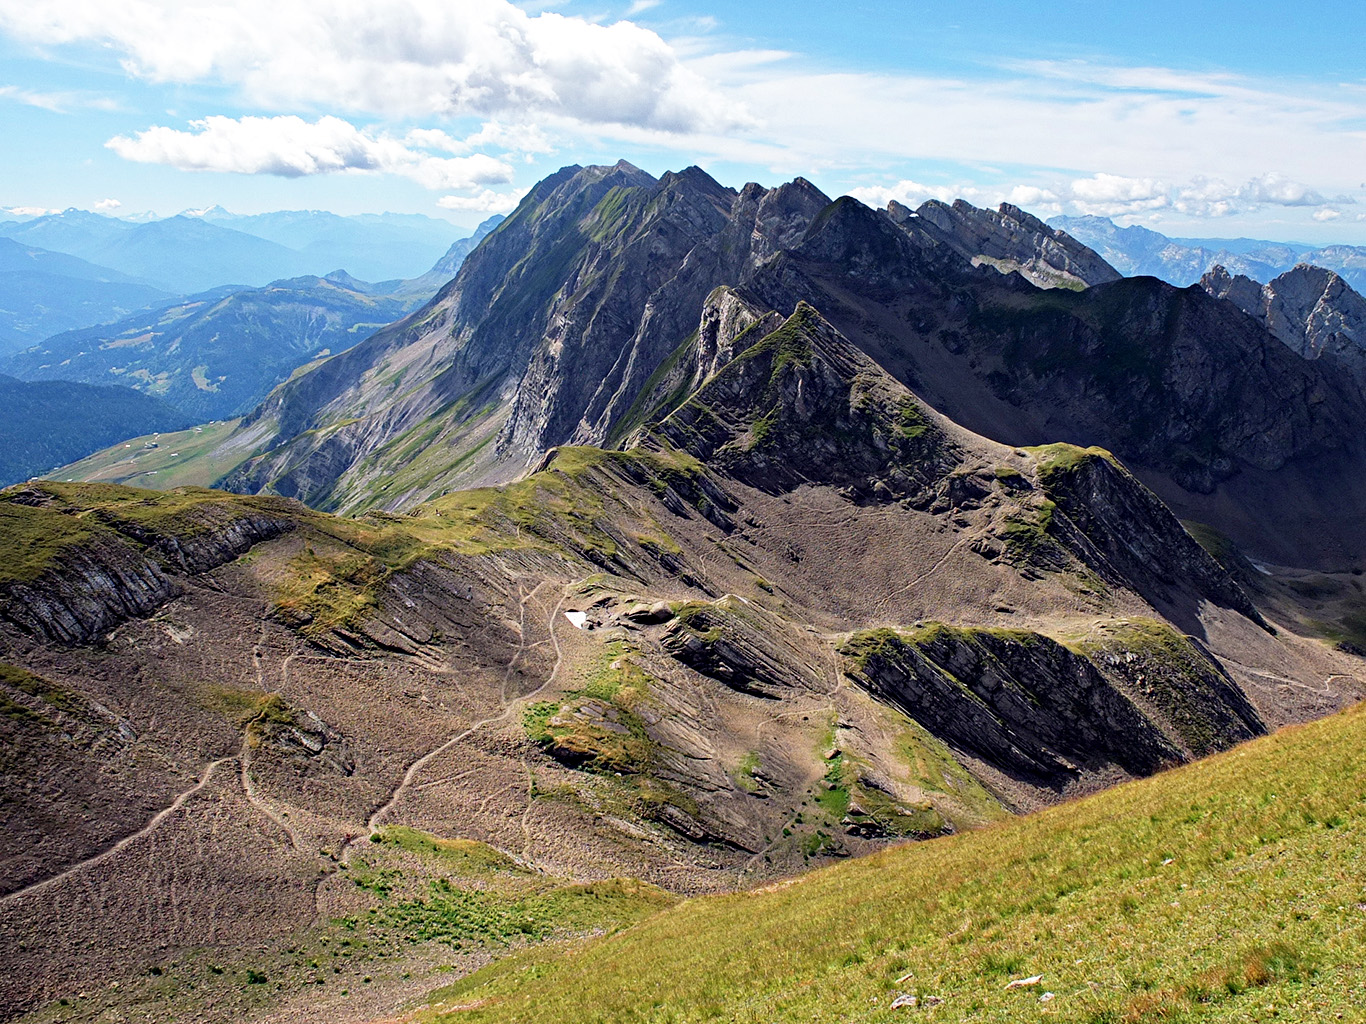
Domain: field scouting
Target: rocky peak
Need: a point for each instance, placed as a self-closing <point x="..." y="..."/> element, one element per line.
<point x="727" y="317"/>
<point x="803" y="405"/>
<point x="1311" y="309"/>
<point x="1010" y="239"/>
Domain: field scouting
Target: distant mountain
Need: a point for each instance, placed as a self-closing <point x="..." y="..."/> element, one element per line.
<point x="216" y="355"/>
<point x="50" y="423"/>
<point x="180" y="254"/>
<point x="374" y="247"/>
<point x="1137" y="251"/>
<point x="1312" y="309"/>
<point x="449" y="264"/>
<point x="43" y="293"/>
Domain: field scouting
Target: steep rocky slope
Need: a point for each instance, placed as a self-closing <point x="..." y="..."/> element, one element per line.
<point x="744" y="643"/>
<point x="577" y="320"/>
<point x="1010" y="239"/>
<point x="1313" y="310"/>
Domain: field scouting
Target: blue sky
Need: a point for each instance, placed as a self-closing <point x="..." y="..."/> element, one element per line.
<point x="1214" y="119"/>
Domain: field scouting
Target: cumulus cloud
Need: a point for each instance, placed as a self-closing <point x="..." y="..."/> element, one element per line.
<point x="404" y="58"/>
<point x="1032" y="198"/>
<point x="1110" y="195"/>
<point x="487" y="201"/>
<point x="107" y="205"/>
<point x="1114" y="195"/>
<point x="292" y="147"/>
<point x="30" y="211"/>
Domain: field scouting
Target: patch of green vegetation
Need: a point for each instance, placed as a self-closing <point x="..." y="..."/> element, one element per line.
<point x="910" y="421"/>
<point x="464" y="857"/>
<point x="832" y="796"/>
<point x="1210" y="893"/>
<point x="1011" y="478"/>
<point x="1028" y="541"/>
<point x="465" y="918"/>
<point x="187" y="458"/>
<point x="1059" y="459"/>
<point x="744" y="772"/>
<point x="790" y="344"/>
<point x="36" y="686"/>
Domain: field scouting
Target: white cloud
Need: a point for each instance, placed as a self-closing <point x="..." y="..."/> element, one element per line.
<point x="403" y="58"/>
<point x="57" y="102"/>
<point x="107" y="205"/>
<point x="640" y="6"/>
<point x="1327" y="214"/>
<point x="1035" y="200"/>
<point x="487" y="201"/>
<point x="1113" y="195"/>
<point x="30" y="211"/>
<point x="291" y="147"/>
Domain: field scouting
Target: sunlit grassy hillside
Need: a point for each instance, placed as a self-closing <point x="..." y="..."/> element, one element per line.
<point x="1233" y="889"/>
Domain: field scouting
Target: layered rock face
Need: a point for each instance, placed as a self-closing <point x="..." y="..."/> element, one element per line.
<point x="1010" y="239"/>
<point x="1313" y="310"/>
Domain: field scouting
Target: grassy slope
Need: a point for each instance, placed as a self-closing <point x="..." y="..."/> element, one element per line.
<point x="1233" y="889"/>
<point x="185" y="458"/>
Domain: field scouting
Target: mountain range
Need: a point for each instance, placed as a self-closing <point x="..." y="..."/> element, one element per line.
<point x="689" y="537"/>
<point x="212" y="356"/>
<point x="44" y="293"/>
<point x="1137" y="250"/>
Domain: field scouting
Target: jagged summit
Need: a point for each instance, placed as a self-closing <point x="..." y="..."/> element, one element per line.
<point x="576" y="321"/>
<point x="1010" y="239"/>
<point x="1312" y="309"/>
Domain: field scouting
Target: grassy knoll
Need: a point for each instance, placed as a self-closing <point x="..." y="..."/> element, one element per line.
<point x="1233" y="889"/>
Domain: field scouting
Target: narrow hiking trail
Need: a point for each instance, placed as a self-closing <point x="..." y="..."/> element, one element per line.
<point x="126" y="841"/>
<point x="409" y="779"/>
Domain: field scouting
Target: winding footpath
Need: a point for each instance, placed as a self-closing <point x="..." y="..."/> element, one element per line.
<point x="123" y="843"/>
<point x="414" y="769"/>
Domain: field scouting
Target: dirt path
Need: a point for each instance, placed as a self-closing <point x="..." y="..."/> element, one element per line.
<point x="257" y="800"/>
<point x="126" y="841"/>
<point x="409" y="776"/>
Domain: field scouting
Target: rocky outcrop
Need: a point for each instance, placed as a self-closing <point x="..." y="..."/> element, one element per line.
<point x="1044" y="714"/>
<point x="93" y="588"/>
<point x="1313" y="310"/>
<point x="802" y="404"/>
<point x="95" y="565"/>
<point x="1126" y="534"/>
<point x="742" y="646"/>
<point x="1011" y="241"/>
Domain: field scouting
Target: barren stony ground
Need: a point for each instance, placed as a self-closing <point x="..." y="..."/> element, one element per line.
<point x="311" y="788"/>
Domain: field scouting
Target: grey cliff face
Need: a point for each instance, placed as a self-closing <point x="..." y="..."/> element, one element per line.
<point x="1312" y="309"/>
<point x="1010" y="240"/>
